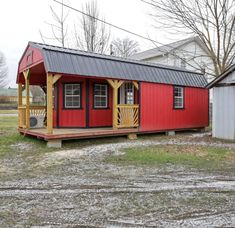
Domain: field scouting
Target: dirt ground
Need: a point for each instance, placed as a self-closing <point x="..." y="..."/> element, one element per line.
<point x="78" y="187"/>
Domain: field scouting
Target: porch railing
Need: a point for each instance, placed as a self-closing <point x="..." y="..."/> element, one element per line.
<point x="127" y="116"/>
<point x="33" y="110"/>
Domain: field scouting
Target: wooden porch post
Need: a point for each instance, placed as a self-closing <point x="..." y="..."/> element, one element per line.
<point x="115" y="84"/>
<point x="49" y="104"/>
<point x="27" y="111"/>
<point x="19" y="102"/>
<point x="51" y="80"/>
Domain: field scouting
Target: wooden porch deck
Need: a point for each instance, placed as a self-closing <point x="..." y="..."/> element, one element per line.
<point x="76" y="133"/>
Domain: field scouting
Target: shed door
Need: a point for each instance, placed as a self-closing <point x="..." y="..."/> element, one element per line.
<point x="126" y="93"/>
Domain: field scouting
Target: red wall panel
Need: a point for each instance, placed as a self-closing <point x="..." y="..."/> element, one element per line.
<point x="71" y="117"/>
<point x="31" y="56"/>
<point x="157" y="112"/>
<point x="100" y="117"/>
<point x="77" y="117"/>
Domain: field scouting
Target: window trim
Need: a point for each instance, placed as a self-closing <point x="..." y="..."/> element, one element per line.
<point x="64" y="85"/>
<point x="183" y="98"/>
<point x="107" y="97"/>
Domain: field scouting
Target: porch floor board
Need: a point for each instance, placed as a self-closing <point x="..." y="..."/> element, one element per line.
<point x="76" y="133"/>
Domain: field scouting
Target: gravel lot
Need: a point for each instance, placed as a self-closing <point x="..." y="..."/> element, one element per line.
<point x="78" y="187"/>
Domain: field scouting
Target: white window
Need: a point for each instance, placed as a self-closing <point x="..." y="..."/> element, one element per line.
<point x="100" y="96"/>
<point x="72" y="95"/>
<point x="129" y="93"/>
<point x="178" y="97"/>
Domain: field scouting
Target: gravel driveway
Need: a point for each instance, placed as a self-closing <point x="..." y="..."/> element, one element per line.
<point x="75" y="188"/>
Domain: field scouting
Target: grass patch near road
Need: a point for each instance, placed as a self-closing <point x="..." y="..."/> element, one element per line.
<point x="196" y="156"/>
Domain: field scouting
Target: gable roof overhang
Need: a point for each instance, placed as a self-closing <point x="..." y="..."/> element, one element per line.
<point x="221" y="77"/>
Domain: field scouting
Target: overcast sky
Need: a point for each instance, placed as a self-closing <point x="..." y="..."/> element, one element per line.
<point x="21" y="20"/>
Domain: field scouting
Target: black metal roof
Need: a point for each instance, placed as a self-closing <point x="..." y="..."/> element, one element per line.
<point x="76" y="62"/>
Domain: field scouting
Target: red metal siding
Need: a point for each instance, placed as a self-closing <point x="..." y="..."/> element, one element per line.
<point x="157" y="113"/>
<point x="32" y="58"/>
<point x="71" y="117"/>
<point x="77" y="117"/>
<point x="100" y="117"/>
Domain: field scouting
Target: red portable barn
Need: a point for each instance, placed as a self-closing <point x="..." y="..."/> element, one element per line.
<point x="92" y="95"/>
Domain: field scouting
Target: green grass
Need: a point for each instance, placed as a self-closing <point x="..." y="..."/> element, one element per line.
<point x="8" y="111"/>
<point x="9" y="138"/>
<point x="8" y="123"/>
<point x="196" y="156"/>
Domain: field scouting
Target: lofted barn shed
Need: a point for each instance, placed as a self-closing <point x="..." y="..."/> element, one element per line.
<point x="93" y="95"/>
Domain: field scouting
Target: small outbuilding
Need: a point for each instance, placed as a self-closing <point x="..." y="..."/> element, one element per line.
<point x="93" y="95"/>
<point x="223" y="115"/>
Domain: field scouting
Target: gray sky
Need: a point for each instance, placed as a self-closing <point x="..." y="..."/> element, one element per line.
<point x="20" y="22"/>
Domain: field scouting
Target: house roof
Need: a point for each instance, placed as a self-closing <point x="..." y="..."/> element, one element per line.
<point x="221" y="77"/>
<point x="11" y="92"/>
<point x="166" y="48"/>
<point x="76" y="62"/>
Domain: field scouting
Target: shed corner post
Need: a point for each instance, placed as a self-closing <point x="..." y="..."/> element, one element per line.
<point x="27" y="111"/>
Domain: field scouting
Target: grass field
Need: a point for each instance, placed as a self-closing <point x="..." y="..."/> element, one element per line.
<point x="10" y="138"/>
<point x="196" y="156"/>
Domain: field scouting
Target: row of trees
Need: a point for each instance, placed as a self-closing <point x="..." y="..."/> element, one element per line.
<point x="89" y="33"/>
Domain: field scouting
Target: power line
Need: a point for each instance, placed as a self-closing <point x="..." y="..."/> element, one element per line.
<point x="130" y="32"/>
<point x="118" y="27"/>
<point x="108" y="23"/>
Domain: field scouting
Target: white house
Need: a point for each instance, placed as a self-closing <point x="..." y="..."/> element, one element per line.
<point x="223" y="121"/>
<point x="190" y="54"/>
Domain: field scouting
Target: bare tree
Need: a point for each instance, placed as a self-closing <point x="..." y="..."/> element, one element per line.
<point x="3" y="71"/>
<point x="124" y="47"/>
<point x="213" y="21"/>
<point x="59" y="27"/>
<point x="93" y="35"/>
